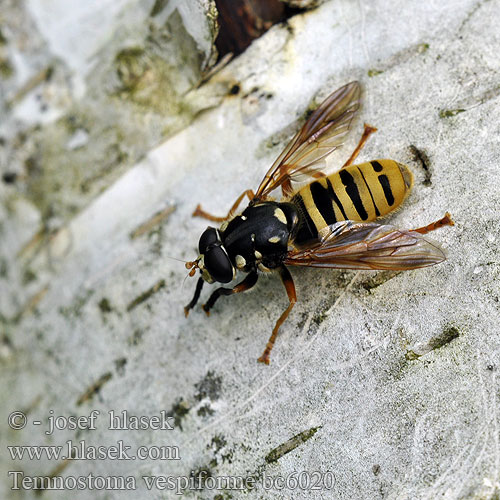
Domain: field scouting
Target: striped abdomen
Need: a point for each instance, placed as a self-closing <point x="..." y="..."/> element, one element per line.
<point x="361" y="192"/>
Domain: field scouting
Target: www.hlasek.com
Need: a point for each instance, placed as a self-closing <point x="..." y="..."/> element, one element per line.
<point x="80" y="450"/>
<point x="304" y="480"/>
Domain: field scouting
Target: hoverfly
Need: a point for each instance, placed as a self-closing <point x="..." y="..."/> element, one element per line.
<point x="326" y="223"/>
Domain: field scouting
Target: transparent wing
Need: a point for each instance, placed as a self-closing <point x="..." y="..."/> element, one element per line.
<point x="323" y="132"/>
<point x="353" y="245"/>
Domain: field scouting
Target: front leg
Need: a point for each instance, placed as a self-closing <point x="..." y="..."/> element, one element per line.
<point x="196" y="296"/>
<point x="246" y="284"/>
<point x="286" y="277"/>
<point x="199" y="212"/>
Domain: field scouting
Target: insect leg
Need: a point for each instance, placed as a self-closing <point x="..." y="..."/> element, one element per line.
<point x="199" y="212"/>
<point x="286" y="277"/>
<point x="195" y="298"/>
<point x="445" y="221"/>
<point x="366" y="133"/>
<point x="246" y="284"/>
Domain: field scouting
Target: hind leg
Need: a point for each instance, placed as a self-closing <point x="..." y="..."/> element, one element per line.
<point x="445" y="221"/>
<point x="286" y="277"/>
<point x="366" y="133"/>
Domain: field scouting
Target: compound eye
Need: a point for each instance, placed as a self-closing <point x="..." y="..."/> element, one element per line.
<point x="218" y="265"/>
<point x="208" y="237"/>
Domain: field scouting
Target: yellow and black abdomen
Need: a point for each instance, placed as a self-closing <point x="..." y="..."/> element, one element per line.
<point x="361" y="192"/>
